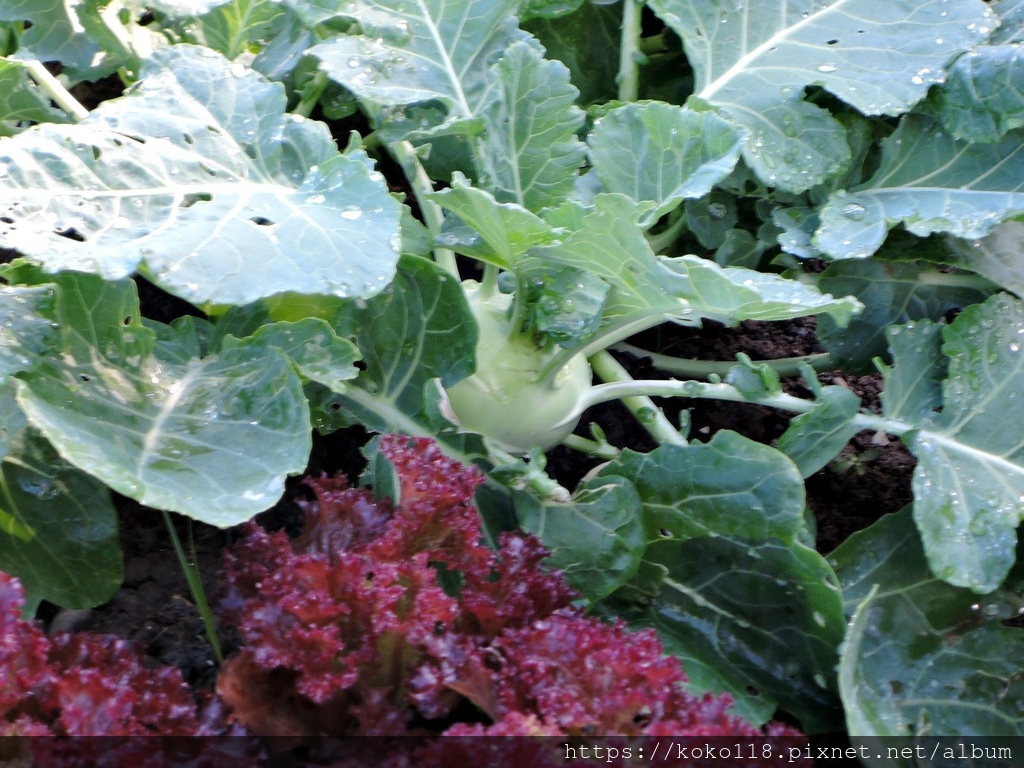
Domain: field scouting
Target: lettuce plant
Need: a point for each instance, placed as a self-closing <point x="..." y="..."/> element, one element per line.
<point x="380" y="614"/>
<point x="563" y="175"/>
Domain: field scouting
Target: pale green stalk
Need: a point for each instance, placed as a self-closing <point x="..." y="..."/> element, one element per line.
<point x="629" y="53"/>
<point x="405" y="153"/>
<point x="647" y="413"/>
<point x="58" y="94"/>
<point x="703" y="369"/>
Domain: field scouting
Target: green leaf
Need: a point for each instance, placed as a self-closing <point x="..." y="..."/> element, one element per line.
<point x="892" y="292"/>
<point x="21" y="101"/>
<point x="311" y="344"/>
<point x="816" y="437"/>
<point x="753" y="61"/>
<point x="433" y="53"/>
<point x="12" y="418"/>
<point x="508" y="229"/>
<point x="199" y="179"/>
<point x="58" y="527"/>
<point x="587" y="42"/>
<point x="913" y="385"/>
<point x="923" y="657"/>
<point x="684" y="490"/>
<point x="213" y="438"/>
<point x="530" y="147"/>
<point x="596" y="539"/>
<point x="565" y="304"/>
<point x="417" y="333"/>
<point x="646" y="289"/>
<point x="229" y="27"/>
<point x="996" y="257"/>
<point x="25" y="332"/>
<point x="929" y="182"/>
<point x="723" y="525"/>
<point x="969" y="480"/>
<point x="663" y="154"/>
<point x="983" y="96"/>
<point x="72" y="33"/>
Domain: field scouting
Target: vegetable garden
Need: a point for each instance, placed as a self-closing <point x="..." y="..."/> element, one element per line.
<point x="489" y="226"/>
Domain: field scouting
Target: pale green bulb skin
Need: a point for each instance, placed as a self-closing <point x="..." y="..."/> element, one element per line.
<point x="503" y="400"/>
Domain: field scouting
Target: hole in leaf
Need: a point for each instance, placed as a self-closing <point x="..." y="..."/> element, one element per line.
<point x="207" y="169"/>
<point x="833" y="41"/>
<point x="335" y="406"/>
<point x="665" y="532"/>
<point x="250" y="150"/>
<point x="84" y="377"/>
<point x="71" y="234"/>
<point x="127" y="320"/>
<point x="262" y="222"/>
<point x="191" y="198"/>
<point x="6" y="219"/>
<point x="753" y="691"/>
<point x="187" y="138"/>
<point x="96" y="152"/>
<point x="117" y="142"/>
<point x="360" y="365"/>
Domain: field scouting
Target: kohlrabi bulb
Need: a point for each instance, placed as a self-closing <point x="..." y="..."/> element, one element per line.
<point x="504" y="400"/>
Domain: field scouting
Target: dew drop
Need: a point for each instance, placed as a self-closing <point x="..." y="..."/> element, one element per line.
<point x="854" y="211"/>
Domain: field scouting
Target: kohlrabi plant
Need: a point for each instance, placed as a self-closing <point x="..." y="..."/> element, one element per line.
<point x="561" y="176"/>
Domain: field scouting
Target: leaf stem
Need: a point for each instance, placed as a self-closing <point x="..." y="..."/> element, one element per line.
<point x="602" y="393"/>
<point x="405" y="153"/>
<point x="661" y="241"/>
<point x="58" y="94"/>
<point x="195" y="585"/>
<point x="647" y="413"/>
<point x="702" y="369"/>
<point x="592" y="447"/>
<point x="629" y="53"/>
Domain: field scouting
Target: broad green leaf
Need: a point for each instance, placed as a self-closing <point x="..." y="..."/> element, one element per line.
<point x="199" y="179"/>
<point x="646" y="289"/>
<point x="25" y="332"/>
<point x="433" y="53"/>
<point x="546" y="9"/>
<point x="684" y="489"/>
<point x="663" y="154"/>
<point x="12" y="418"/>
<point x="73" y="33"/>
<point x="983" y="96"/>
<point x="757" y="619"/>
<point x="229" y="27"/>
<point x="21" y="101"/>
<point x="417" y="334"/>
<point x="816" y="437"/>
<point x="587" y="42"/>
<point x="923" y="657"/>
<point x="930" y="183"/>
<point x="58" y="527"/>
<point x="565" y="304"/>
<point x="211" y="438"/>
<point x="753" y="61"/>
<point x="508" y="229"/>
<point x="723" y="523"/>
<point x="996" y="257"/>
<point x="969" y="480"/>
<point x="596" y="539"/>
<point x="313" y="347"/>
<point x="892" y="292"/>
<point x="530" y="147"/>
<point x="711" y="218"/>
<point x="913" y="385"/>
